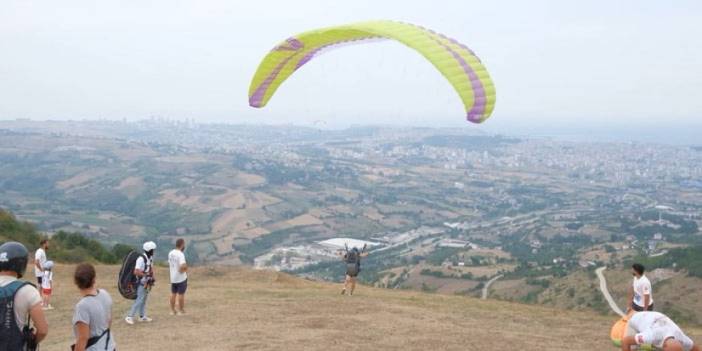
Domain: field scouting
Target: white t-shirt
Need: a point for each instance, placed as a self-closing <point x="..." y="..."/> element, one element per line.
<point x="39" y="256"/>
<point x="26" y="298"/>
<point x="642" y="286"/>
<point x="46" y="281"/>
<point x="144" y="266"/>
<point x="654" y="328"/>
<point x="176" y="259"/>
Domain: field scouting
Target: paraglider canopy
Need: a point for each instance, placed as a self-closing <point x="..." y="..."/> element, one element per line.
<point x="459" y="64"/>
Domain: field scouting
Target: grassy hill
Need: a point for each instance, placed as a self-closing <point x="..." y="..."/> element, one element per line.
<point x="239" y="308"/>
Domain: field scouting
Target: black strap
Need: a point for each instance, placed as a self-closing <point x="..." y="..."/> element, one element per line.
<point x="95" y="339"/>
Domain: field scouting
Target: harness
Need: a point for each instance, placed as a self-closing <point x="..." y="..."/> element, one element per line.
<point x="13" y="337"/>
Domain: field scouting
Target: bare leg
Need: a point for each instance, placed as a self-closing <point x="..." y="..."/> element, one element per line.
<point x="181" y="302"/>
<point x="346" y="285"/>
<point x="173" y="301"/>
<point x="353" y="284"/>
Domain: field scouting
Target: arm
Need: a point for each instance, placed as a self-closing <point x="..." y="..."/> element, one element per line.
<point x="36" y="314"/>
<point x="364" y="254"/>
<point x="628" y="342"/>
<point x="37" y="263"/>
<point x="695" y="348"/>
<point x="138" y="272"/>
<point x="183" y="268"/>
<point x="630" y="299"/>
<point x="83" y="331"/>
<point x="647" y="301"/>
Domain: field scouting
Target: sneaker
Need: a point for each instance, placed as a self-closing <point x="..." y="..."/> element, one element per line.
<point x="145" y="319"/>
<point x="44" y="308"/>
<point x="180" y="313"/>
<point x="172" y="313"/>
<point x="129" y="320"/>
<point x="50" y="307"/>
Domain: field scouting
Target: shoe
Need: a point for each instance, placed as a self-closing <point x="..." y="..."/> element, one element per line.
<point x="180" y="313"/>
<point x="173" y="313"/>
<point x="44" y="308"/>
<point x="145" y="319"/>
<point x="129" y="320"/>
<point x="50" y="307"/>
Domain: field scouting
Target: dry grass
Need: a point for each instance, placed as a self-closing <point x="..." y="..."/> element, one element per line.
<point x="241" y="309"/>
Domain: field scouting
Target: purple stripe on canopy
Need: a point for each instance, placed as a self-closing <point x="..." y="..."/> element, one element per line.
<point x="293" y="44"/>
<point x="476" y="112"/>
<point x="256" y="100"/>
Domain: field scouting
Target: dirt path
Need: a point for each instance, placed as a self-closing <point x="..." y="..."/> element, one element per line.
<point x="605" y="291"/>
<point x="486" y="288"/>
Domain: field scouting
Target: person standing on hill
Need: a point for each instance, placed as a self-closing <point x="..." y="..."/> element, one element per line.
<point x="144" y="272"/>
<point x="640" y="295"/>
<point x="654" y="328"/>
<point x="352" y="258"/>
<point x="92" y="317"/>
<point x="179" y="277"/>
<point x="20" y="302"/>
<point x="39" y="260"/>
<point x="46" y="285"/>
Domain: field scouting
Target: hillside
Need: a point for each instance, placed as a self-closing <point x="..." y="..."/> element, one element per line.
<point x="238" y="308"/>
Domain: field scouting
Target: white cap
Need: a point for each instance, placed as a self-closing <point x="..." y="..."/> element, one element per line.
<point x="149" y="245"/>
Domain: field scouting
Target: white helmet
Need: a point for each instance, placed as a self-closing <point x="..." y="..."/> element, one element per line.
<point x="48" y="265"/>
<point x="149" y="245"/>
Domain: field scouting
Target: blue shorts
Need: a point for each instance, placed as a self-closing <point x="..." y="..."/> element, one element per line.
<point x="179" y="288"/>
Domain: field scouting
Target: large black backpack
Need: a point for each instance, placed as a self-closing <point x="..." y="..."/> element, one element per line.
<point x="352" y="256"/>
<point x="127" y="282"/>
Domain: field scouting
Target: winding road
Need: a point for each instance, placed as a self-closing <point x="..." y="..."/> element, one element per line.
<point x="605" y="291"/>
<point x="488" y="283"/>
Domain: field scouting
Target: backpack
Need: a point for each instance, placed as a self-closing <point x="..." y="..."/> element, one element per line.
<point x="12" y="337"/>
<point x="127" y="282"/>
<point x="352" y="256"/>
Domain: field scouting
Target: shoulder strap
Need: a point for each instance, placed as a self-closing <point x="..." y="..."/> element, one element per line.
<point x="10" y="290"/>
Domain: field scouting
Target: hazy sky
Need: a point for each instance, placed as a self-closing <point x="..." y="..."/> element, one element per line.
<point x="554" y="63"/>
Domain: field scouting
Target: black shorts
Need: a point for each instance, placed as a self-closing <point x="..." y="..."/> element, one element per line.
<point x="39" y="281"/>
<point x="179" y="288"/>
<point x="638" y="308"/>
<point x="352" y="270"/>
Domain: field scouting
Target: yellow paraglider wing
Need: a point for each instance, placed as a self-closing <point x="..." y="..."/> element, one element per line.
<point x="455" y="61"/>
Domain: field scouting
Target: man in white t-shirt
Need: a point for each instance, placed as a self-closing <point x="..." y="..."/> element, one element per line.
<point x="26" y="302"/>
<point x="641" y="294"/>
<point x="654" y="328"/>
<point x="39" y="260"/>
<point x="179" y="277"/>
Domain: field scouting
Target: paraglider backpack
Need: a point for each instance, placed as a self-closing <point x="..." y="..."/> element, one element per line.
<point x="12" y="337"/>
<point x="353" y="261"/>
<point x="128" y="282"/>
<point x="352" y="256"/>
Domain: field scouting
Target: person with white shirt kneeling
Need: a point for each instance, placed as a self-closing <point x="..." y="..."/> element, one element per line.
<point x="179" y="277"/>
<point x="641" y="293"/>
<point x="656" y="329"/>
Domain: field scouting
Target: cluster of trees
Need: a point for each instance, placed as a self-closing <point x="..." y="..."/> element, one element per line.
<point x="688" y="258"/>
<point x="65" y="247"/>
